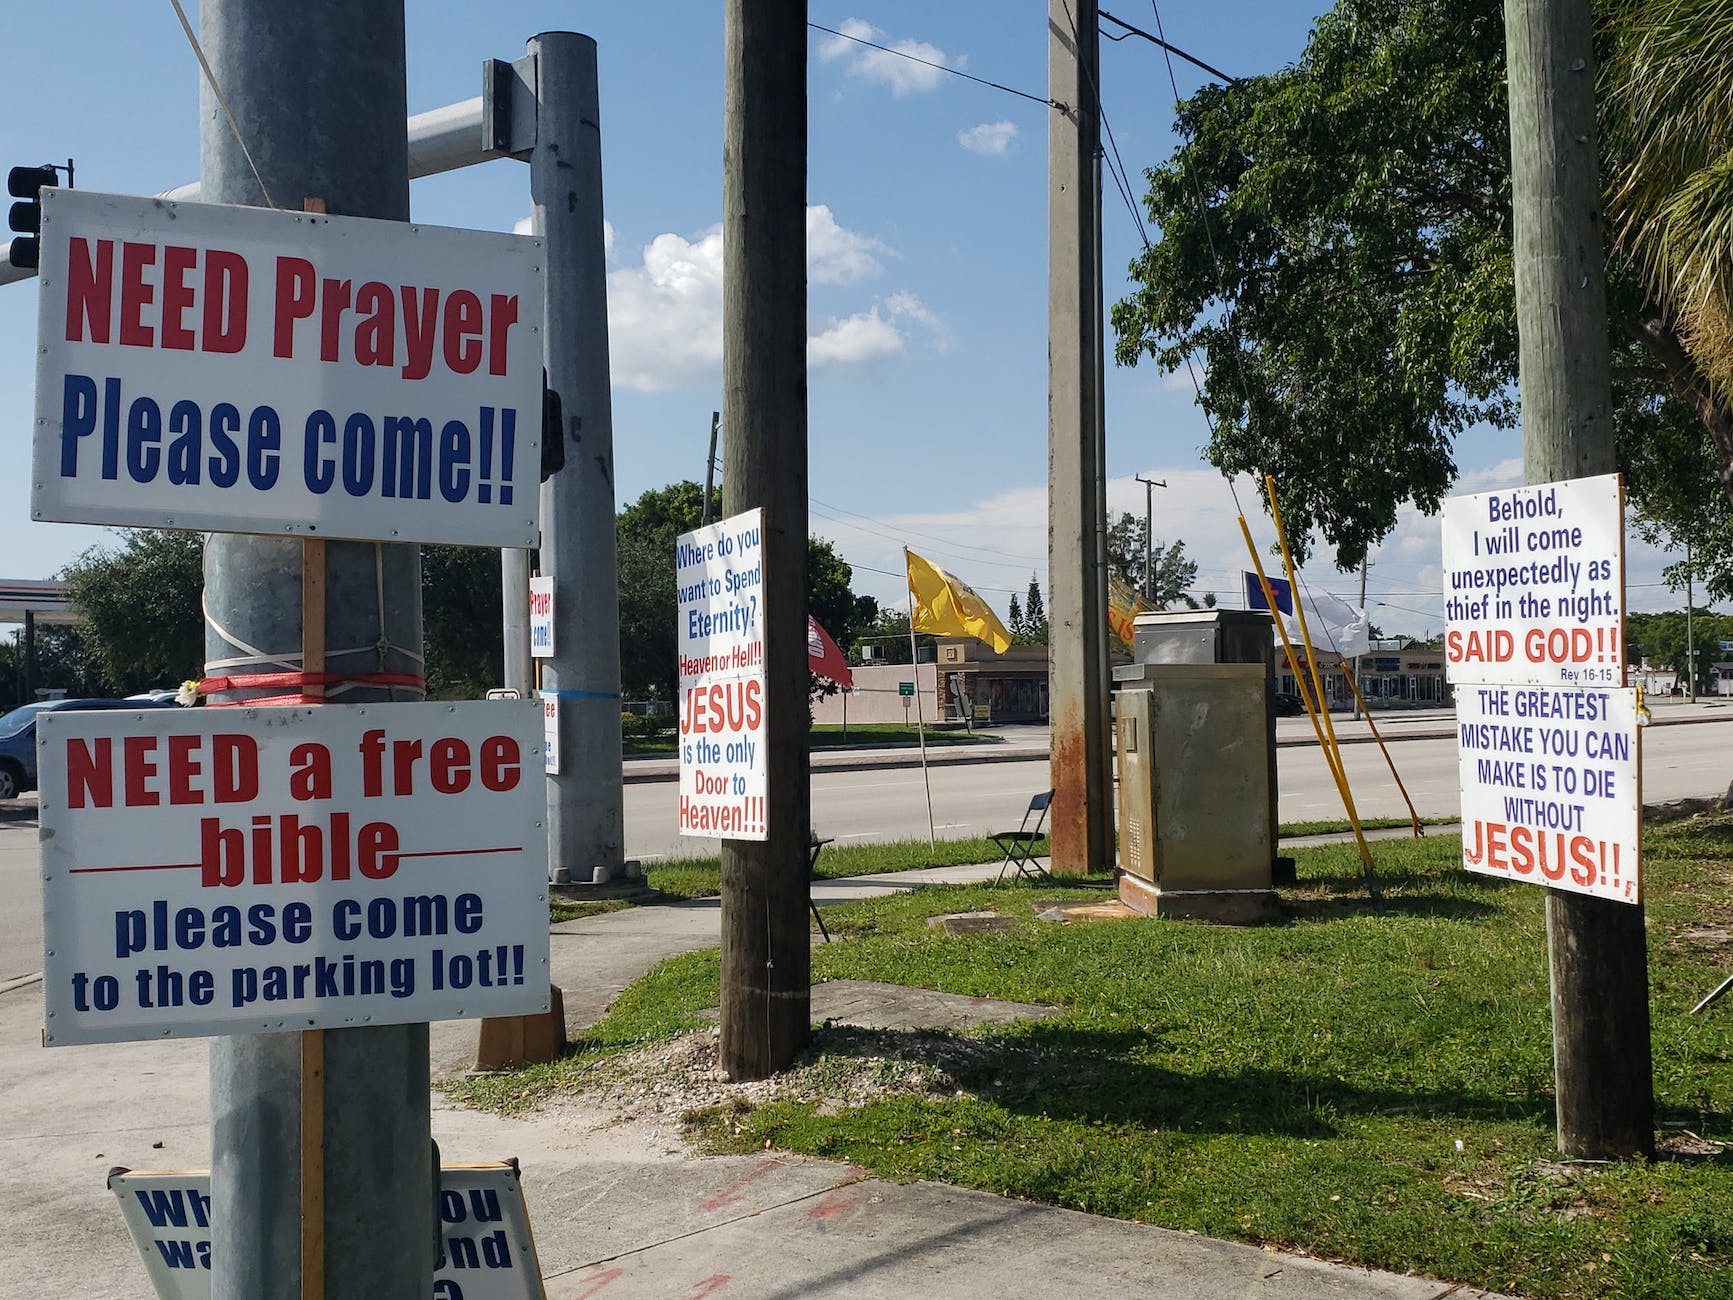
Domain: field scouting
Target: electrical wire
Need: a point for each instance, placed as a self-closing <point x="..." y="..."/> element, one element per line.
<point x="893" y="537"/>
<point x="1129" y="30"/>
<point x="928" y="63"/>
<point x="912" y="532"/>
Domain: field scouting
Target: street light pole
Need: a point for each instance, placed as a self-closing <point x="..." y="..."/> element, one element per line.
<point x="1149" y="486"/>
<point x="1690" y="629"/>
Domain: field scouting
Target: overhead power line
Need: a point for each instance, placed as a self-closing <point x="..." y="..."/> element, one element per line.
<point x="928" y="63"/>
<point x="1153" y="39"/>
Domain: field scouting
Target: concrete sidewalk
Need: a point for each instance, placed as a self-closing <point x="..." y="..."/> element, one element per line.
<point x="618" y="1209"/>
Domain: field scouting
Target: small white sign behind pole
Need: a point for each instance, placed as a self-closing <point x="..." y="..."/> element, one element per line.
<point x="248" y="370"/>
<point x="542" y="617"/>
<point x="719" y="572"/>
<point x="221" y="871"/>
<point x="1534" y="584"/>
<point x="550" y="733"/>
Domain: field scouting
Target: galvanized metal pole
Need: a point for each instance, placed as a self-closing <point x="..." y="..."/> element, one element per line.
<point x="514" y="572"/>
<point x="766" y="945"/>
<point x="317" y="89"/>
<point x="586" y="822"/>
<point x="1597" y="947"/>
<point x="1082" y="814"/>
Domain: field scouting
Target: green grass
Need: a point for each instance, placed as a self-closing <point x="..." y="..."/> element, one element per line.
<point x="561" y="911"/>
<point x="702" y="877"/>
<point x="1304" y="1085"/>
<point x="1344" y="826"/>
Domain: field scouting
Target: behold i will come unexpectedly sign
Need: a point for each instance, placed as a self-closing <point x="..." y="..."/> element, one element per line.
<point x="248" y="370"/>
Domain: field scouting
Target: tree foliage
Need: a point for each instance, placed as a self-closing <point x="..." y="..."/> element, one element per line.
<point x="1660" y="640"/>
<point x="462" y="612"/>
<point x="1358" y="206"/>
<point x="139" y="602"/>
<point x="1028" y="624"/>
<point x="1171" y="574"/>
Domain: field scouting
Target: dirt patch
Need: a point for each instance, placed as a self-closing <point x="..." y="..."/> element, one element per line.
<point x="652" y="1090"/>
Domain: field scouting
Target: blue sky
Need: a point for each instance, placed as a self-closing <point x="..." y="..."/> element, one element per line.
<point x="926" y="251"/>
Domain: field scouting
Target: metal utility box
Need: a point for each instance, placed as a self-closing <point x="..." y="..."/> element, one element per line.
<point x="1208" y="636"/>
<point x="1205" y="636"/>
<point x="1194" y="791"/>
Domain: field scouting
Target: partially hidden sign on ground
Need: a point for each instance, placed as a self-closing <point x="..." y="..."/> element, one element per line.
<point x="218" y="871"/>
<point x="1548" y="746"/>
<point x="719" y="573"/>
<point x="247" y="370"/>
<point x="486" y="1249"/>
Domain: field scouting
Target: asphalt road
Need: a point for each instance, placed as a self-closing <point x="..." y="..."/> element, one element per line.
<point x="979" y="798"/>
<point x="976" y="799"/>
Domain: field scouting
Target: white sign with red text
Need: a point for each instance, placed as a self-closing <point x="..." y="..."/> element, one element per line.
<point x="1551" y="786"/>
<point x="1534" y="584"/>
<point x="250" y="370"/>
<point x="542" y="617"/>
<point x="223" y="871"/>
<point x="719" y="573"/>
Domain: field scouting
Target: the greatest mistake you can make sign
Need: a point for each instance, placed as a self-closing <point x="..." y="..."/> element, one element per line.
<point x="719" y="571"/>
<point x="248" y="370"/>
<point x="219" y="871"/>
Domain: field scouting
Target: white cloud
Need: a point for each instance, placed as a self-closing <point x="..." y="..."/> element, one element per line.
<point x="526" y="226"/>
<point x="902" y="76"/>
<point x="990" y="139"/>
<point x="865" y="336"/>
<point x="665" y="314"/>
<point x="835" y="255"/>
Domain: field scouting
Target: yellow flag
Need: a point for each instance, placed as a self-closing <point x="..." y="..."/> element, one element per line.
<point x="1123" y="607"/>
<point x="945" y="605"/>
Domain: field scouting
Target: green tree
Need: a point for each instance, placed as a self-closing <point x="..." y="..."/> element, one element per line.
<point x="1014" y="617"/>
<point x="63" y="662"/>
<point x="1363" y="316"/>
<point x="1171" y="574"/>
<point x="139" y="602"/>
<point x="462" y="613"/>
<point x="1034" y="615"/>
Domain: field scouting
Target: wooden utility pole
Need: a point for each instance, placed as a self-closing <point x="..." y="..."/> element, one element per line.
<point x="1082" y="816"/>
<point x="766" y="952"/>
<point x="1600" y="985"/>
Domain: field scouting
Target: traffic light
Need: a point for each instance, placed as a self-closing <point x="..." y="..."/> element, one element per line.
<point x="25" y="218"/>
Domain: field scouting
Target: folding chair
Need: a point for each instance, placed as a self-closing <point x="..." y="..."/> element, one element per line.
<point x="1019" y="845"/>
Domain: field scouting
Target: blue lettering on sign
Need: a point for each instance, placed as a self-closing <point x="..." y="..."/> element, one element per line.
<point x="185" y="1254"/>
<point x="107" y="432"/>
<point x="175" y="1208"/>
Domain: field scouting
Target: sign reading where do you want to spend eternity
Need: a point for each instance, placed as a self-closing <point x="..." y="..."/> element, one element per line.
<point x="719" y="573"/>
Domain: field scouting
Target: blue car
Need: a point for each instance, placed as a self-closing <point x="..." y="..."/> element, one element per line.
<point x="18" y="738"/>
